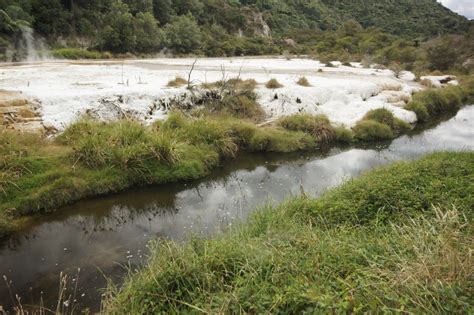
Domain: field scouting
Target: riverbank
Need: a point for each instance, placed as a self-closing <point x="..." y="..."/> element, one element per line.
<point x="396" y="239"/>
<point x="92" y="158"/>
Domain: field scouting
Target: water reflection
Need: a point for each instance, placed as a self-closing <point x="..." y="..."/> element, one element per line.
<point x="104" y="234"/>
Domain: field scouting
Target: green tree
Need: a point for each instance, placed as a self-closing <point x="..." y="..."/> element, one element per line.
<point x="163" y="11"/>
<point x="148" y="35"/>
<point x="118" y="34"/>
<point x="137" y="6"/>
<point x="50" y="18"/>
<point x="183" y="34"/>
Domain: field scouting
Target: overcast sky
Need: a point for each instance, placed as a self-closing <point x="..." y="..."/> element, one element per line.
<point x="464" y="7"/>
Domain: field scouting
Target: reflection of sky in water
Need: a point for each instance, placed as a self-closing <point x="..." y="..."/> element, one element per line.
<point x="112" y="231"/>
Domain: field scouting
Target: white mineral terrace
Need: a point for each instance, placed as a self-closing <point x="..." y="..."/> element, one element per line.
<point x="68" y="90"/>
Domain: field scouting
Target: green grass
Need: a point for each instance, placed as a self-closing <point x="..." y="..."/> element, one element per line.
<point x="379" y="124"/>
<point x="369" y="130"/>
<point x="344" y="135"/>
<point x="243" y="106"/>
<point x="317" y="126"/>
<point x="91" y="158"/>
<point x="420" y="110"/>
<point x="396" y="240"/>
<point x="436" y="102"/>
<point x="76" y="53"/>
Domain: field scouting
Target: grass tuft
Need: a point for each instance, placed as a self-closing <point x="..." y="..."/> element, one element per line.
<point x="303" y="81"/>
<point x="344" y="135"/>
<point x="177" y="82"/>
<point x="318" y="126"/>
<point x="370" y="130"/>
<point x="420" y="110"/>
<point x="273" y="84"/>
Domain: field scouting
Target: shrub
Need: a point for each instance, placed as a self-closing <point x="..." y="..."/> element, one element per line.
<point x="177" y="82"/>
<point x="370" y="130"/>
<point x="317" y="126"/>
<point x="183" y="34"/>
<point x="419" y="109"/>
<point x="303" y="82"/>
<point x="273" y="84"/>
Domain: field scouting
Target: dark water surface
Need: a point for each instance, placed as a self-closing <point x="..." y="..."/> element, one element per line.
<point x="103" y="235"/>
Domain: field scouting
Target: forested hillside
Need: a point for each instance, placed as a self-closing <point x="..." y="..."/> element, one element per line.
<point x="214" y="27"/>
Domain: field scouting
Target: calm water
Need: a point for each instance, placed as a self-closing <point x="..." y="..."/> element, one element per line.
<point x="103" y="236"/>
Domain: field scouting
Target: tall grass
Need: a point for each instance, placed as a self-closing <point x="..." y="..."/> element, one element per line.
<point x="379" y="124"/>
<point x="318" y="126"/>
<point x="126" y="145"/>
<point x="92" y="158"/>
<point x="374" y="245"/>
<point x="435" y="102"/>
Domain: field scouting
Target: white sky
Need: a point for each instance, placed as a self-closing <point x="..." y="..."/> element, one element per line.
<point x="463" y="7"/>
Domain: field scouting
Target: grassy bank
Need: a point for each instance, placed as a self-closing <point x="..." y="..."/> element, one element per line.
<point x="92" y="158"/>
<point x="398" y="239"/>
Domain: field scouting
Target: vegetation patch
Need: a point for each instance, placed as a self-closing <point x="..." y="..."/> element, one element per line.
<point x="344" y="135"/>
<point x="370" y="130"/>
<point x="177" y="82"/>
<point x="272" y="139"/>
<point x="92" y="158"/>
<point x="398" y="238"/>
<point x="386" y="117"/>
<point x="273" y="84"/>
<point x="75" y="53"/>
<point x="435" y="102"/>
<point x="303" y="81"/>
<point x="379" y="124"/>
<point x="318" y="126"/>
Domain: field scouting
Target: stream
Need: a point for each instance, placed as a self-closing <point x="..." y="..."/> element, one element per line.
<point x="105" y="236"/>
